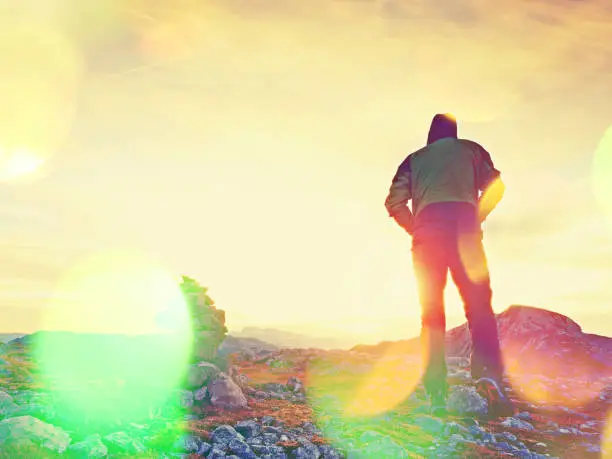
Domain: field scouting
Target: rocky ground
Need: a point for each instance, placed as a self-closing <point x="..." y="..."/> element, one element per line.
<point x="296" y="404"/>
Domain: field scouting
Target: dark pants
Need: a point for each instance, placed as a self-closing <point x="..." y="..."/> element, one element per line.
<point x="447" y="237"/>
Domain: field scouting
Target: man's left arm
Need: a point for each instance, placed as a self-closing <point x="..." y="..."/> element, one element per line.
<point x="399" y="195"/>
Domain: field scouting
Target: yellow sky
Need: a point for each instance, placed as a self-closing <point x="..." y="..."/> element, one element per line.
<point x="250" y="145"/>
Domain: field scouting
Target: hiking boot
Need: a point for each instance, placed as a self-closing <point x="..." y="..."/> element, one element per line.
<point x="498" y="402"/>
<point x="437" y="400"/>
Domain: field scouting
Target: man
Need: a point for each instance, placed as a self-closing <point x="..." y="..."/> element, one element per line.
<point x="453" y="186"/>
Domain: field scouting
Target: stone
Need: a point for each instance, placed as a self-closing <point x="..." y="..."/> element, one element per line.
<point x="7" y="405"/>
<point x="241" y="449"/>
<point x="90" y="447"/>
<point x="198" y="375"/>
<point x="29" y="430"/>
<point x="188" y="443"/>
<point x="225" y="393"/>
<point x="248" y="429"/>
<point x="224" y="434"/>
<point x="465" y="400"/>
<point x="124" y="443"/>
<point x="515" y="423"/>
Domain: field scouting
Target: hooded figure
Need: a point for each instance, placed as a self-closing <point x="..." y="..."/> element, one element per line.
<point x="444" y="180"/>
<point x="442" y="125"/>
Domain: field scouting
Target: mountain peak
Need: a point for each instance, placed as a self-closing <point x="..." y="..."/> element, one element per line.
<point x="519" y="319"/>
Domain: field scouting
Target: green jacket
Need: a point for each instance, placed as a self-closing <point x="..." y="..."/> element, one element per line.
<point x="449" y="170"/>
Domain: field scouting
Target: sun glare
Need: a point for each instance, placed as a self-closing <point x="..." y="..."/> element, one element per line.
<point x="17" y="163"/>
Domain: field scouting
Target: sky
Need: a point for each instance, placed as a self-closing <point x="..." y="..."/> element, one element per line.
<point x="251" y="144"/>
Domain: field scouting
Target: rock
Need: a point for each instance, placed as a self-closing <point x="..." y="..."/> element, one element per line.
<point x="476" y="431"/>
<point x="309" y="427"/>
<point x="274" y="387"/>
<point x="456" y="361"/>
<point x="270" y="421"/>
<point x="306" y="450"/>
<point x="208" y="322"/>
<point x="278" y="431"/>
<point x="204" y="449"/>
<point x="508" y="437"/>
<point x="241" y="449"/>
<point x="524" y="415"/>
<point x="29" y="430"/>
<point x="454" y="428"/>
<point x="269" y="438"/>
<point x="465" y="400"/>
<point x="188" y="443"/>
<point x="200" y="394"/>
<point x="7" y="405"/>
<point x="328" y="452"/>
<point x="224" y="434"/>
<point x="185" y="398"/>
<point x="515" y="423"/>
<point x="200" y="374"/>
<point x="248" y="429"/>
<point x="504" y="447"/>
<point x="90" y="447"/>
<point x="540" y="447"/>
<point x="295" y="385"/>
<point x="124" y="443"/>
<point x="215" y="453"/>
<point x="225" y="393"/>
<point x="272" y="450"/>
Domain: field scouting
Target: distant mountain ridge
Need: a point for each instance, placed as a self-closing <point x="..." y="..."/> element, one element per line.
<point x="287" y="339"/>
<point x="6" y="337"/>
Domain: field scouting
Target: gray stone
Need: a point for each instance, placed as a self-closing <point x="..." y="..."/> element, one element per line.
<point x="248" y="428"/>
<point x="122" y="442"/>
<point x="200" y="374"/>
<point x="515" y="423"/>
<point x="224" y="434"/>
<point x="225" y="393"/>
<point x="215" y="453"/>
<point x="90" y="447"/>
<point x="8" y="406"/>
<point x="29" y="430"/>
<point x="204" y="448"/>
<point x="465" y="400"/>
<point x="241" y="449"/>
<point x="188" y="443"/>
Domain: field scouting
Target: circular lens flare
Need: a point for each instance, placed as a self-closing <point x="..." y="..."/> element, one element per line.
<point x="116" y="341"/>
<point x="38" y="84"/>
<point x="545" y="381"/>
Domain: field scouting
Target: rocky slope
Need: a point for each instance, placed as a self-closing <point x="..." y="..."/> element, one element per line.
<point x="530" y="337"/>
<point x="249" y="399"/>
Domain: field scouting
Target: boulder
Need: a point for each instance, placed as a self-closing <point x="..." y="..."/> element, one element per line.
<point x="465" y="400"/>
<point x="200" y="374"/>
<point x="27" y="430"/>
<point x="225" y="393"/>
<point x="90" y="447"/>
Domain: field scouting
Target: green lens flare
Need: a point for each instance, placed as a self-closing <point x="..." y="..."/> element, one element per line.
<point x="117" y="344"/>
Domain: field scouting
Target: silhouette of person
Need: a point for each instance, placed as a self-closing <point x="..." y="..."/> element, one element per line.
<point x="453" y="186"/>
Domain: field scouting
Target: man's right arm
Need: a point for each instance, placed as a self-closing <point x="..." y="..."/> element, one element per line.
<point x="399" y="195"/>
<point x="490" y="183"/>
